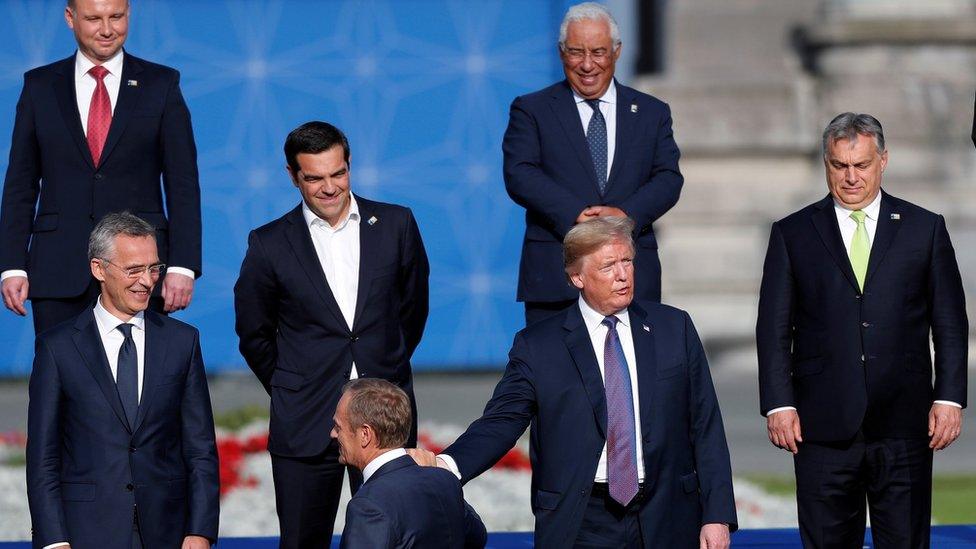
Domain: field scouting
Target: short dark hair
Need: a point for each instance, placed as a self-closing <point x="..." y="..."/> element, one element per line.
<point x="312" y="138"/>
<point x="381" y="405"/>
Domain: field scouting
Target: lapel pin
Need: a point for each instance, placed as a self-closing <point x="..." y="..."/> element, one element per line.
<point x="896" y="217"/>
<point x="132" y="83"/>
<point x="646" y="327"/>
<point x="633" y="108"/>
<point x="372" y="220"/>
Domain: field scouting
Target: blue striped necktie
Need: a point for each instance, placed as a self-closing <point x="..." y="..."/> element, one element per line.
<point x="621" y="435"/>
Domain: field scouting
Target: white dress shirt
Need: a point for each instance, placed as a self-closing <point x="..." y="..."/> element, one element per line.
<point x="84" y="89"/>
<point x="608" y="107"/>
<point x="598" y="335"/>
<point x="112" y="340"/>
<point x="847" y="227"/>
<point x="380" y="461"/>
<point x="338" y="251"/>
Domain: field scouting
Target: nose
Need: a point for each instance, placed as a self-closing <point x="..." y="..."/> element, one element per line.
<point x="849" y="175"/>
<point x="587" y="63"/>
<point x="104" y="28"/>
<point x="620" y="271"/>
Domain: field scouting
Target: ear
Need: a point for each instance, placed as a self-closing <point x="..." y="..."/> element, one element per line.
<point x="97" y="270"/>
<point x="292" y="175"/>
<point x="577" y="280"/>
<point x="69" y="18"/>
<point x="366" y="436"/>
<point x="884" y="160"/>
<point x="616" y="51"/>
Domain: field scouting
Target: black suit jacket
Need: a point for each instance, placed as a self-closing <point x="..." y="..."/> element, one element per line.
<point x="404" y="505"/>
<point x="292" y="332"/>
<point x="86" y="468"/>
<point x="53" y="195"/>
<point x="849" y="360"/>
<point x="553" y="382"/>
<point x="549" y="172"/>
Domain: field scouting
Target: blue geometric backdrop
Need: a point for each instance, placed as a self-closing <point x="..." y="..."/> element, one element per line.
<point x="422" y="89"/>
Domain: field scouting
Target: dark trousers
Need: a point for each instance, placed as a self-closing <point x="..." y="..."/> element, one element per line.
<point x="608" y="525"/>
<point x="833" y="480"/>
<point x="541" y="310"/>
<point x="49" y="312"/>
<point x="307" y="494"/>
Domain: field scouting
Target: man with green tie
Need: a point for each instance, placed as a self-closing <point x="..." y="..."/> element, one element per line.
<point x="852" y="287"/>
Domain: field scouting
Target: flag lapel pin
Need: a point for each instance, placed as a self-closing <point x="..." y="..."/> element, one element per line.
<point x="896" y="217"/>
<point x="633" y="108"/>
<point x="132" y="83"/>
<point x="646" y="327"/>
<point x="372" y="220"/>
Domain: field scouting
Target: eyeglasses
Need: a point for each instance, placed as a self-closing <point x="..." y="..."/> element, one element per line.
<point x="135" y="272"/>
<point x="598" y="55"/>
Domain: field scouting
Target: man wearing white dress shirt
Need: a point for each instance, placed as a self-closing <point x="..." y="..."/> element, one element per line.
<point x="120" y="437"/>
<point x="101" y="131"/>
<point x="587" y="147"/>
<point x="853" y="285"/>
<point x="333" y="290"/>
<point x="627" y="444"/>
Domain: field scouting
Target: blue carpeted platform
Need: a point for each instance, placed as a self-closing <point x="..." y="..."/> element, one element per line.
<point x="943" y="537"/>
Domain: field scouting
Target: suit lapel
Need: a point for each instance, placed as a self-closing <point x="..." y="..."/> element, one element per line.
<point x="64" y="90"/>
<point x="564" y="106"/>
<point x="154" y="362"/>
<point x="369" y="244"/>
<point x="89" y="344"/>
<point x="581" y="349"/>
<point x="825" y="221"/>
<point x="301" y="242"/>
<point x="625" y="128"/>
<point x="884" y="234"/>
<point x="126" y="102"/>
<point x="645" y="352"/>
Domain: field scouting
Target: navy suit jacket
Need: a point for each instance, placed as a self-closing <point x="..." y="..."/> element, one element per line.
<point x="292" y="332"/>
<point x="53" y="195"/>
<point x="86" y="469"/>
<point x="404" y="505"/>
<point x="849" y="360"/>
<point x="553" y="382"/>
<point x="549" y="172"/>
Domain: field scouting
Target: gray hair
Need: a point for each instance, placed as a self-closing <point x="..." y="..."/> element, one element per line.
<point x="381" y="405"/>
<point x="589" y="11"/>
<point x="589" y="236"/>
<point x="849" y="125"/>
<point x="101" y="243"/>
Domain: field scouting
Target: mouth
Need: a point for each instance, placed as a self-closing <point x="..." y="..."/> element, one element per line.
<point x="140" y="293"/>
<point x="588" y="79"/>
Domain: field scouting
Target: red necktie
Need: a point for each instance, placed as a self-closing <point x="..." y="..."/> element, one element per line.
<point x="99" y="114"/>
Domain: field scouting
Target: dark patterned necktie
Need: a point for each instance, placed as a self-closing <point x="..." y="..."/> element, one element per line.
<point x="127" y="375"/>
<point x="621" y="436"/>
<point x="596" y="137"/>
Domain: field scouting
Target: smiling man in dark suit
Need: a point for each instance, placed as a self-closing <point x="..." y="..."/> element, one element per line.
<point x="120" y="434"/>
<point x="335" y="289"/>
<point x="583" y="148"/>
<point x="93" y="134"/>
<point x="852" y="288"/>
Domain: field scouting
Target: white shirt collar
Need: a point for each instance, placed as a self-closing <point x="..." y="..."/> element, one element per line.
<point x="380" y="461"/>
<point x="311" y="218"/>
<point x="593" y="319"/>
<point x="872" y="210"/>
<point x="107" y="322"/>
<point x="609" y="96"/>
<point x="84" y="64"/>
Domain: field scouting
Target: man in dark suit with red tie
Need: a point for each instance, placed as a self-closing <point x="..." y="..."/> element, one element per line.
<point x="582" y="148"/>
<point x="853" y="286"/>
<point x="95" y="133"/>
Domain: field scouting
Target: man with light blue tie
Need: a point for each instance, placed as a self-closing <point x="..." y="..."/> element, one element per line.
<point x="627" y="443"/>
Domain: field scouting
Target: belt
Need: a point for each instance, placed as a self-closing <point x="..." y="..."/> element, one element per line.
<point x="602" y="490"/>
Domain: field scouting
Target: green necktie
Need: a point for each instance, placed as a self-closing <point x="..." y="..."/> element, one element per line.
<point x="860" y="248"/>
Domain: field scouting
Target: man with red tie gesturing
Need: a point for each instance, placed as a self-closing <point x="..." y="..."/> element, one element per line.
<point x="101" y="131"/>
<point x="627" y="444"/>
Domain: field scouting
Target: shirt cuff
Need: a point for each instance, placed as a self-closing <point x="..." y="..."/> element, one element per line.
<point x="947" y="402"/>
<point x="780" y="409"/>
<point x="451" y="465"/>
<point x="180" y="271"/>
<point x="13" y="272"/>
<point x="58" y="544"/>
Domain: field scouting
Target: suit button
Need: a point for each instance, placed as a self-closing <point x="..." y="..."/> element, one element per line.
<point x="862" y="358"/>
<point x="98" y="177"/>
<point x="129" y="487"/>
<point x="132" y="449"/>
<point x="353" y="338"/>
<point x="857" y="296"/>
<point x="866" y="324"/>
